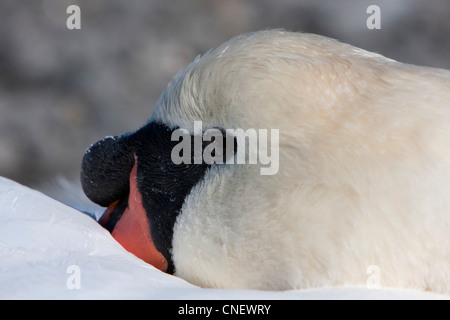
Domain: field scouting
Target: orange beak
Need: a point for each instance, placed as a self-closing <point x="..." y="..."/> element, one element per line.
<point x="132" y="231"/>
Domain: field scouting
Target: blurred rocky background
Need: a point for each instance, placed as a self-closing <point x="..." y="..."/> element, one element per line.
<point x="61" y="89"/>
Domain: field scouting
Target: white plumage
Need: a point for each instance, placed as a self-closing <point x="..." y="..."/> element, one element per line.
<point x="364" y="172"/>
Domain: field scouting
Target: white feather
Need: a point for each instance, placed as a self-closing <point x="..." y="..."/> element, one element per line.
<point x="364" y="174"/>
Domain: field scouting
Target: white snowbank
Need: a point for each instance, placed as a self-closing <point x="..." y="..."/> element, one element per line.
<point x="51" y="251"/>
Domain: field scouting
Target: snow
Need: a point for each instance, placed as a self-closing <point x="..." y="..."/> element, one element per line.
<point x="51" y="251"/>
